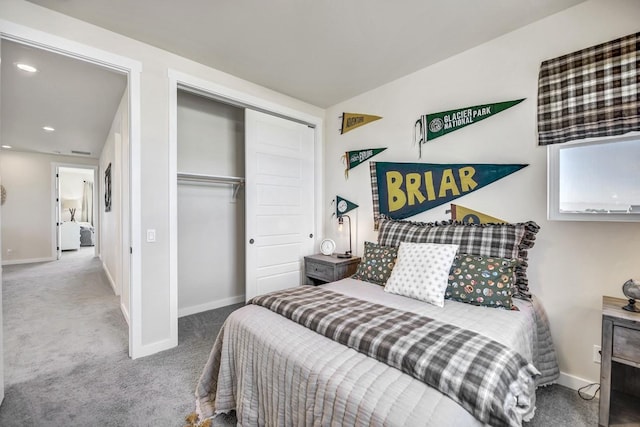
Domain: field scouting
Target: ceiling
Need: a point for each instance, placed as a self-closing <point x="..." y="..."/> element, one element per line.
<point x="319" y="51"/>
<point x="79" y="100"/>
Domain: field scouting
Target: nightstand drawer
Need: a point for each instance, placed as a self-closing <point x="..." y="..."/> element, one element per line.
<point x="626" y="343"/>
<point x="320" y="271"/>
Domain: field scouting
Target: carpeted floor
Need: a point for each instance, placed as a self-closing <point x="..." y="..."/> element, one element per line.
<point x="66" y="360"/>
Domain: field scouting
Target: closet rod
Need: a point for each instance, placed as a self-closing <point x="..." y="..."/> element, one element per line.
<point x="210" y="178"/>
<point x="236" y="181"/>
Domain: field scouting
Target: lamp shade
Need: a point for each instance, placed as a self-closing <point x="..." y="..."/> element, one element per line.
<point x="71" y="203"/>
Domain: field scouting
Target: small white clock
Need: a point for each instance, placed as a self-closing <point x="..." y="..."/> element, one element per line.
<point x="327" y="246"/>
<point x="342" y="206"/>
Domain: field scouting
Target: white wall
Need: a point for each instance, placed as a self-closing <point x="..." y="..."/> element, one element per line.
<point x="572" y="264"/>
<point x="27" y="215"/>
<point x="111" y="222"/>
<point x="154" y="286"/>
<point x="211" y="256"/>
<point x="1" y="321"/>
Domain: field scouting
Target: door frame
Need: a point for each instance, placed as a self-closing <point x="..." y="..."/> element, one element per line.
<point x="189" y="83"/>
<point x="57" y="216"/>
<point x="132" y="69"/>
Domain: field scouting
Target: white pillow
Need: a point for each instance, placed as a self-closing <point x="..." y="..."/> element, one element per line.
<point x="422" y="271"/>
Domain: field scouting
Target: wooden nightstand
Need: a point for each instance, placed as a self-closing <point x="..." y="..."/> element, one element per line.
<point x="620" y="367"/>
<point x="321" y="269"/>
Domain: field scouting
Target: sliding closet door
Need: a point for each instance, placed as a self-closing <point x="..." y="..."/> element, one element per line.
<point x="279" y="201"/>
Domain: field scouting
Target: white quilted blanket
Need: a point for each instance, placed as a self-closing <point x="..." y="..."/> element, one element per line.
<point x="272" y="371"/>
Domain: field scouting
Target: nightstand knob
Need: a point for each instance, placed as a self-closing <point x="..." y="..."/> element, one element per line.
<point x="311" y="236"/>
<point x="251" y="241"/>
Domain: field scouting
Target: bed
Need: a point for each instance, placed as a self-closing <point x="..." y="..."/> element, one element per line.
<point x="265" y="369"/>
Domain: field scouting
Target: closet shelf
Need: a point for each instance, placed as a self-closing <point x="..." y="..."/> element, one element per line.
<point x="236" y="181"/>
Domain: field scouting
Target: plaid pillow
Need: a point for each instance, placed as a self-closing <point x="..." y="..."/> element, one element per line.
<point x="481" y="280"/>
<point x="376" y="264"/>
<point x="497" y="240"/>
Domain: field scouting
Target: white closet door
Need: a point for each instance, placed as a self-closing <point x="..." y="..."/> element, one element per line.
<point x="279" y="201"/>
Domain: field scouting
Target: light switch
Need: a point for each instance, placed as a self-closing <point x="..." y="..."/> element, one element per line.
<point x="151" y="235"/>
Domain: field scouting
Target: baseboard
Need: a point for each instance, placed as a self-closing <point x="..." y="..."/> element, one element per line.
<point x="211" y="305"/>
<point x="574" y="383"/>
<point x="125" y="313"/>
<point x="111" y="281"/>
<point x="27" y="261"/>
<point x="156" y="347"/>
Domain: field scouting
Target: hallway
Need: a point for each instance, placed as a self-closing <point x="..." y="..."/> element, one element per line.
<point x="66" y="358"/>
<point x="58" y="314"/>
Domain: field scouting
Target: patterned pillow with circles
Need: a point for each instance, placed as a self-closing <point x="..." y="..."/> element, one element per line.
<point x="422" y="271"/>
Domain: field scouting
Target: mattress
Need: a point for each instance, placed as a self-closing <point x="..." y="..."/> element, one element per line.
<point x="269" y="370"/>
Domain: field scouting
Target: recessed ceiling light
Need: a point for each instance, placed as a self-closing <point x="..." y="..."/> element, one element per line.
<point x="26" y="67"/>
<point x="48" y="128"/>
<point x="7" y="146"/>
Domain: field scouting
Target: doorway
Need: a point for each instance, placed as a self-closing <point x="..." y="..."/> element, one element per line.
<point x="128" y="274"/>
<point x="286" y="259"/>
<point x="77" y="230"/>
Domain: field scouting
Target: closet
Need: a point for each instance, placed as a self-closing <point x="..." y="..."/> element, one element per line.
<point x="245" y="202"/>
<point x="211" y="208"/>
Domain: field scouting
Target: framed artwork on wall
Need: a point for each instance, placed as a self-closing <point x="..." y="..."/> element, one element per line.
<point x="107" y="189"/>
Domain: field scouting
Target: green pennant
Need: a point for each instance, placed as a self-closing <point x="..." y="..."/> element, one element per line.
<point x="343" y="206"/>
<point x="431" y="126"/>
<point x="402" y="190"/>
<point x="354" y="158"/>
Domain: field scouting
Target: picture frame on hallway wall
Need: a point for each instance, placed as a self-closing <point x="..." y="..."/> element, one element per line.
<point x="107" y="189"/>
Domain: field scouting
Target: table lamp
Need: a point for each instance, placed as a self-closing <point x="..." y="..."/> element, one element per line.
<point x="347" y="254"/>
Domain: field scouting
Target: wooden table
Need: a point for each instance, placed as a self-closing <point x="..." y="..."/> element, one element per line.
<point x="620" y="367"/>
<point x="321" y="269"/>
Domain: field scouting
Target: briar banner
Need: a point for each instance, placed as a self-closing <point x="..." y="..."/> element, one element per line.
<point x="402" y="190"/>
<point x="351" y="121"/>
<point x="431" y="126"/>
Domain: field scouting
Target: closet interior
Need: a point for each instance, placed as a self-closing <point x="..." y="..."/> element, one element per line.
<point x="210" y="203"/>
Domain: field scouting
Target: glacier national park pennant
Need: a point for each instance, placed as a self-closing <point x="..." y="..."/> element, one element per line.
<point x="431" y="126"/>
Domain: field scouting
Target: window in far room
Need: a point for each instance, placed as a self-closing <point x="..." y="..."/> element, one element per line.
<point x="597" y="180"/>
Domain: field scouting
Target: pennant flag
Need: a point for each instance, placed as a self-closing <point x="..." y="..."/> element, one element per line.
<point x="402" y="190"/>
<point x="343" y="206"/>
<point x="431" y="126"/>
<point x="469" y="216"/>
<point x="354" y="158"/>
<point x="351" y="121"/>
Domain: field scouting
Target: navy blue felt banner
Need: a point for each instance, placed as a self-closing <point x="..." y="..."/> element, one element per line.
<point x="407" y="189"/>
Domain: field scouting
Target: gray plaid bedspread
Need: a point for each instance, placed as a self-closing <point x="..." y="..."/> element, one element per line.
<point x="492" y="382"/>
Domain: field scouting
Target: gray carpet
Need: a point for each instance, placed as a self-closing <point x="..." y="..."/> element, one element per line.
<point x="66" y="360"/>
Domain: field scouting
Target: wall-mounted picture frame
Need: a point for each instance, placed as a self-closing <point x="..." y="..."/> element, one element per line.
<point x="107" y="189"/>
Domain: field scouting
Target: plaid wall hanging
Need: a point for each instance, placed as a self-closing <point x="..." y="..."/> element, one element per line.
<point x="593" y="92"/>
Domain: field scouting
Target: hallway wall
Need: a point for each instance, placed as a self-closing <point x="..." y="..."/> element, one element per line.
<point x="111" y="244"/>
<point x="27" y="215"/>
